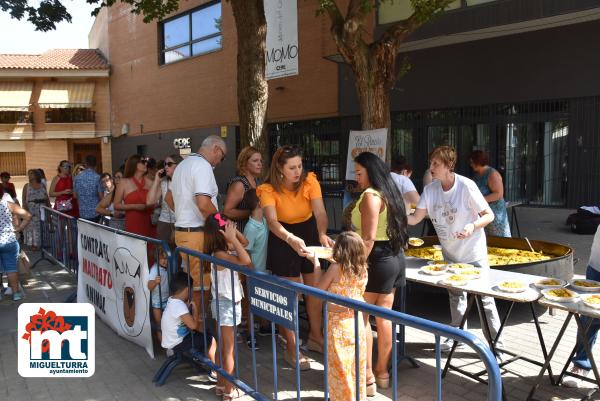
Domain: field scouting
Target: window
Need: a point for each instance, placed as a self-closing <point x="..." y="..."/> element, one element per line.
<point x="399" y="10"/>
<point x="191" y="34"/>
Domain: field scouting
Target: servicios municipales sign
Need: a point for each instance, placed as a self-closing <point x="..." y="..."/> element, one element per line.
<point x="272" y="302"/>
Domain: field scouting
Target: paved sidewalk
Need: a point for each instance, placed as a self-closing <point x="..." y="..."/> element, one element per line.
<point x="124" y="371"/>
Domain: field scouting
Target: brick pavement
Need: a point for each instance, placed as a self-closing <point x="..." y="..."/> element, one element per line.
<point x="124" y="371"/>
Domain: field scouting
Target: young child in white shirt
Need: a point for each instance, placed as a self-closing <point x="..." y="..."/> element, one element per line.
<point x="178" y="321"/>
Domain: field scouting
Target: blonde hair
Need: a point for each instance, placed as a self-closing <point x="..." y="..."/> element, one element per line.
<point x="349" y="252"/>
<point x="243" y="157"/>
<point x="446" y="154"/>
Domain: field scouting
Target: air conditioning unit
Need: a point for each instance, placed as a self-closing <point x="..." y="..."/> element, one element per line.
<point x="125" y="129"/>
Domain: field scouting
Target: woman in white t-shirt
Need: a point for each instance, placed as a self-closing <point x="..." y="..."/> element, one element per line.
<point x="165" y="228"/>
<point x="459" y="213"/>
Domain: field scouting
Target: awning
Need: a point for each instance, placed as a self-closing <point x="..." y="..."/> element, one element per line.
<point x="60" y="95"/>
<point x="15" y="96"/>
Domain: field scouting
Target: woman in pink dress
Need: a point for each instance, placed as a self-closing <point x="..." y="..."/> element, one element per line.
<point x="62" y="189"/>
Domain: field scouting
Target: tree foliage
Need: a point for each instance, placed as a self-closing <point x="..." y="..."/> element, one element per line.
<point x="374" y="59"/>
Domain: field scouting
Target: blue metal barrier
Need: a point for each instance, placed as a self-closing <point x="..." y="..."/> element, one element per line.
<point x="397" y="319"/>
<point x="58" y="234"/>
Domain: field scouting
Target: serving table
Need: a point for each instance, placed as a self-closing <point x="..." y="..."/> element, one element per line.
<point x="578" y="310"/>
<point x="486" y="285"/>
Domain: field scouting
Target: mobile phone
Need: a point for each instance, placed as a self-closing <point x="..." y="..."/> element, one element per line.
<point x="163" y="174"/>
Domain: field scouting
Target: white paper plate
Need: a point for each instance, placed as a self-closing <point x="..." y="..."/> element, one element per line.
<point x="429" y="269"/>
<point x="321" y="251"/>
<point x="594" y="285"/>
<point x="469" y="274"/>
<point x="416" y="242"/>
<point x="458" y="267"/>
<point x="561" y="283"/>
<point x="586" y="298"/>
<point x="455" y="283"/>
<point x="503" y="287"/>
<point x="572" y="298"/>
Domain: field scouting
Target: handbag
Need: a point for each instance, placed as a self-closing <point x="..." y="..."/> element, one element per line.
<point x="64" y="205"/>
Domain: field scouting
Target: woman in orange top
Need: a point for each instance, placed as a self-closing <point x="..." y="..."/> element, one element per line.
<point x="293" y="206"/>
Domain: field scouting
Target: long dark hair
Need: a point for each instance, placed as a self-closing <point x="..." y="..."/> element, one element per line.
<point x="213" y="238"/>
<point x="381" y="180"/>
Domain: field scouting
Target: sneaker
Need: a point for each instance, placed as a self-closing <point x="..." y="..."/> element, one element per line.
<point x="446" y="345"/>
<point x="249" y="342"/>
<point x="17" y="296"/>
<point x="574" y="382"/>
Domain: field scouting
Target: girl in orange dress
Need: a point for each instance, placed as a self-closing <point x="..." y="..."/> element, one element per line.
<point x="346" y="276"/>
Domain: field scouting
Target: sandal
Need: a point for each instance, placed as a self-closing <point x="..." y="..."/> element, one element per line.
<point x="304" y="362"/>
<point x="314" y="346"/>
<point x="235" y="394"/>
<point x="219" y="390"/>
<point x="382" y="382"/>
<point x="372" y="388"/>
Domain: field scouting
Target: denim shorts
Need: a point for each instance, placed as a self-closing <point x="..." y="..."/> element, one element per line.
<point x="225" y="316"/>
<point x="9" y="255"/>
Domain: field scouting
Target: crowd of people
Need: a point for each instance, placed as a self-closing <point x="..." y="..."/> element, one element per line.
<point x="267" y="222"/>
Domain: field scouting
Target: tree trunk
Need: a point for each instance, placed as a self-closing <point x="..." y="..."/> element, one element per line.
<point x="375" y="74"/>
<point x="252" y="88"/>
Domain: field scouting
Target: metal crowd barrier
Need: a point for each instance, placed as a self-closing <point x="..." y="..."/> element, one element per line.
<point x="280" y="286"/>
<point x="58" y="233"/>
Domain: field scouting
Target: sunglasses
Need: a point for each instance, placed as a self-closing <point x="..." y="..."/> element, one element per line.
<point x="170" y="164"/>
<point x="143" y="161"/>
<point x="66" y="166"/>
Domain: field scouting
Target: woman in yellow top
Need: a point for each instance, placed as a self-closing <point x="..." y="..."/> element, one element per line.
<point x="380" y="219"/>
<point x="293" y="206"/>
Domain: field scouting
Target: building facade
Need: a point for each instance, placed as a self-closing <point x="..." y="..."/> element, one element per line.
<point x="516" y="78"/>
<point x="53" y="106"/>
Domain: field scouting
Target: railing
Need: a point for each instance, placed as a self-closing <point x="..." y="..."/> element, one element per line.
<point x="283" y="286"/>
<point x="59" y="239"/>
<point x="70" y="115"/>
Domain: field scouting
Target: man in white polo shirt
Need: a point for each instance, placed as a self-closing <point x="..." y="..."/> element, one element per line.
<point x="194" y="192"/>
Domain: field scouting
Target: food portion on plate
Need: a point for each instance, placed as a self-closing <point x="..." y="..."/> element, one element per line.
<point x="460" y="267"/>
<point x="592" y="300"/>
<point x="439" y="262"/>
<point x="455" y="279"/>
<point x="512" y="286"/>
<point x="413" y="241"/>
<point x="550" y="283"/>
<point x="470" y="274"/>
<point x="321" y="251"/>
<point x="560" y="295"/>
<point x="434" y="270"/>
<point x="585" y="285"/>
<point x="496" y="256"/>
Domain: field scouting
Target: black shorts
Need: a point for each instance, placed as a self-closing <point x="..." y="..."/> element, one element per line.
<point x="198" y="342"/>
<point x="282" y="260"/>
<point x="386" y="269"/>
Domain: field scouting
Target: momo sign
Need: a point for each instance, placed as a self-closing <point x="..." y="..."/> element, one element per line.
<point x="56" y="340"/>
<point x="281" y="57"/>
